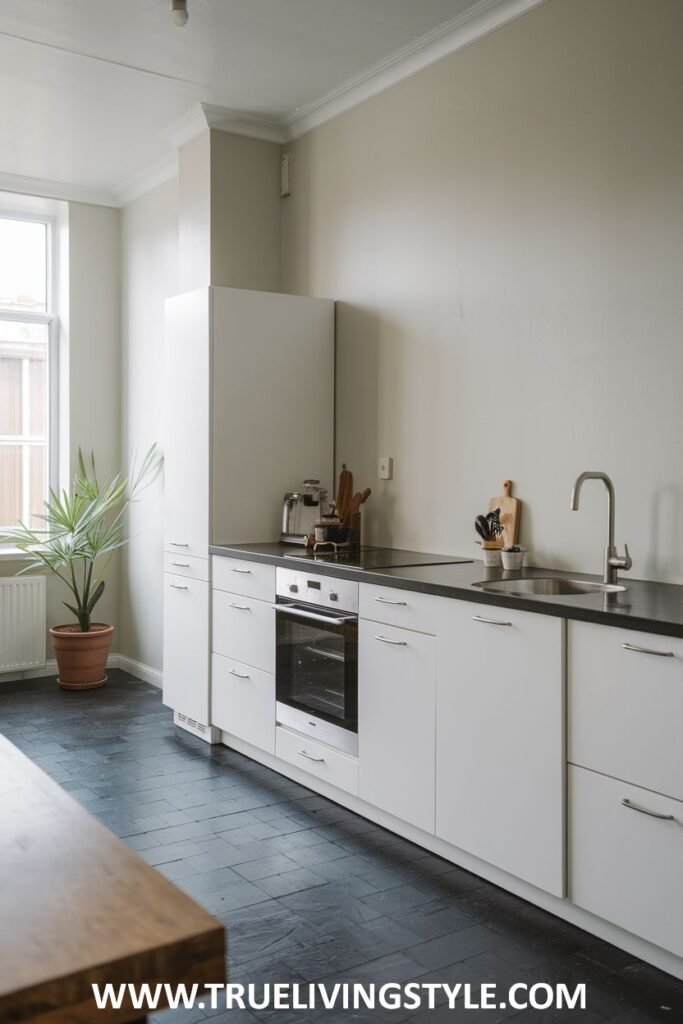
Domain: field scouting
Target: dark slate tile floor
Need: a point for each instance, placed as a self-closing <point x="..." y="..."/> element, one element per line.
<point x="308" y="890"/>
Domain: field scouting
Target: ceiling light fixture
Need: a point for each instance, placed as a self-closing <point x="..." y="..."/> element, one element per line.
<point x="179" y="13"/>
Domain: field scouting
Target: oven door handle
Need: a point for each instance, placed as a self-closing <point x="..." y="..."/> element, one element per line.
<point x="302" y="613"/>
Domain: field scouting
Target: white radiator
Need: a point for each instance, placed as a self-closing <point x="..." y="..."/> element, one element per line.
<point x="22" y="623"/>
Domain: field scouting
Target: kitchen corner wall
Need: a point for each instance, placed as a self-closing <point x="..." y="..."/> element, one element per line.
<point x="503" y="234"/>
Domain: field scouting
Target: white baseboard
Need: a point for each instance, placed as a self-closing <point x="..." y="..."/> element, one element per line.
<point x="122" y="661"/>
<point x="140" y="670"/>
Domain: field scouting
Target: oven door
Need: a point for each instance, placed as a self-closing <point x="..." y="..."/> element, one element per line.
<point x="317" y="673"/>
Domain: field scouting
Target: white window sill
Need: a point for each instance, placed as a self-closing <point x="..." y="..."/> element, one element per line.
<point x="8" y="554"/>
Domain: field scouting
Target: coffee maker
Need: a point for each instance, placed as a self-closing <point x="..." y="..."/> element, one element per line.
<point x="300" y="509"/>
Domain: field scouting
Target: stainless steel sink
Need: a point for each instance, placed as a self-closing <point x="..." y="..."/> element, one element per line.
<point x="547" y="586"/>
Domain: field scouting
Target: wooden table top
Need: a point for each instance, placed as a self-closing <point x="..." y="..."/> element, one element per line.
<point x="78" y="907"/>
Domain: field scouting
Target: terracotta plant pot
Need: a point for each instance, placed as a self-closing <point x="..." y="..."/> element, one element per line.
<point x="81" y="657"/>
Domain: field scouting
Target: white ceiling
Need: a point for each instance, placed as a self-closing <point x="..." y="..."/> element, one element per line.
<point x="90" y="85"/>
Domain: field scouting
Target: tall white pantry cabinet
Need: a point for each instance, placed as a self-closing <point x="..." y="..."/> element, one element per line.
<point x="249" y="414"/>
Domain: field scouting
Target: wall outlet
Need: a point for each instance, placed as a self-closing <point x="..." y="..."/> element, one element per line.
<point x="385" y="468"/>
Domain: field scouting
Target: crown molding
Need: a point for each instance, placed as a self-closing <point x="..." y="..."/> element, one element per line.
<point x="146" y="180"/>
<point x="203" y="116"/>
<point x="57" y="190"/>
<point x="477" y="21"/>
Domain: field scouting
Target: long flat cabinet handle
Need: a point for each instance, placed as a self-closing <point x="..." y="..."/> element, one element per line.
<point x="181" y="565"/>
<point x="178" y="544"/>
<point x="490" y="622"/>
<point x="240" y="607"/>
<point x="643" y="810"/>
<point x="246" y="572"/>
<point x="240" y="675"/>
<point x="178" y="586"/>
<point x="386" y="600"/>
<point x="647" y="650"/>
<point x="395" y="643"/>
<point x="310" y="756"/>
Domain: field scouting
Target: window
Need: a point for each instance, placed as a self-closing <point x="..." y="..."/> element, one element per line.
<point x="28" y="368"/>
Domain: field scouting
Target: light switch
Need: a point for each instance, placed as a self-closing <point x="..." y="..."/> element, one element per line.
<point x="385" y="467"/>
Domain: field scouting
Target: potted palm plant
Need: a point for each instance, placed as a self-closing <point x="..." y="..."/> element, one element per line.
<point x="82" y="531"/>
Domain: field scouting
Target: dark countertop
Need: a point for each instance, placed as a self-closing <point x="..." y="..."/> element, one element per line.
<point x="647" y="606"/>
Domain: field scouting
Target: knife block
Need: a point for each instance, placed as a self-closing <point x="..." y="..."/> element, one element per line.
<point x="355" y="531"/>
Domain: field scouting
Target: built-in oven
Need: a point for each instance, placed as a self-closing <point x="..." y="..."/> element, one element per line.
<point x="316" y="674"/>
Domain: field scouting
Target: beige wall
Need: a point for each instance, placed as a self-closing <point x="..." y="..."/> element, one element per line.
<point x="150" y="275"/>
<point x="90" y="369"/>
<point x="246" y="218"/>
<point x="504" y="233"/>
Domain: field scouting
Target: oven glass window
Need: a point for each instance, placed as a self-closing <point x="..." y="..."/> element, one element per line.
<point x="316" y="669"/>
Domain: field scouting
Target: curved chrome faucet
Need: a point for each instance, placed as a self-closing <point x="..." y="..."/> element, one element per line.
<point x="612" y="560"/>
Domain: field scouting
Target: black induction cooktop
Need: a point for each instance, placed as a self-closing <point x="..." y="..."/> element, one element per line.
<point x="374" y="558"/>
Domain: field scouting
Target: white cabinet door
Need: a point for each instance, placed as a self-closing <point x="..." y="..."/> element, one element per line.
<point x="404" y="608"/>
<point x="626" y="857"/>
<point x="244" y="629"/>
<point x="500" y="739"/>
<point x="243" y="702"/>
<point x="251" y="579"/>
<point x="186" y="425"/>
<point x="625" y="702"/>
<point x="396" y="721"/>
<point x="317" y="759"/>
<point x="186" y="646"/>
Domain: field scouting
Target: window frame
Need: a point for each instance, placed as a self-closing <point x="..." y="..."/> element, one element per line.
<point x="50" y="319"/>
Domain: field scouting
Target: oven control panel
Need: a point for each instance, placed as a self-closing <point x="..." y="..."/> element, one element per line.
<point x="311" y="588"/>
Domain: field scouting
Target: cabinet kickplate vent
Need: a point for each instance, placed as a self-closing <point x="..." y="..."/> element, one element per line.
<point x="204" y="732"/>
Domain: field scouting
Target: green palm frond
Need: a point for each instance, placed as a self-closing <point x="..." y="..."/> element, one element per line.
<point x="82" y="529"/>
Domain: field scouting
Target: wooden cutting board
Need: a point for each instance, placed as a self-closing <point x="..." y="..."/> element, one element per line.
<point x="509" y="513"/>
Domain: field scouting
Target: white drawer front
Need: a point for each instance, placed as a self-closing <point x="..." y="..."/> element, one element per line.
<point x="404" y="608"/>
<point x="186" y="565"/>
<point x="334" y="767"/>
<point x="244" y="629"/>
<point x="626" y="706"/>
<point x="243" y="702"/>
<point x="252" y="579"/>
<point x="625" y="865"/>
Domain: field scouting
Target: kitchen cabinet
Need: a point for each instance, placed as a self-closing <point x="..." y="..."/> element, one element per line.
<point x="248" y="413"/>
<point x="244" y="629"/>
<point x="186" y="646"/>
<point x="626" y="856"/>
<point x="396" y="721"/>
<point x="317" y="759"/>
<point x="500" y="739"/>
<point x="243" y="702"/>
<point x="250" y="579"/>
<point x="405" y="608"/>
<point x="625" y="705"/>
<point x="187" y="434"/>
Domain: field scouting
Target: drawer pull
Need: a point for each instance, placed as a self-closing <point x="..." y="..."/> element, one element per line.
<point x="491" y="622"/>
<point x="386" y="600"/>
<point x="178" y="544"/>
<point x="181" y="565"/>
<point x="647" y="650"/>
<point x="396" y="643"/>
<point x="240" y="607"/>
<point x="245" y="572"/>
<point x="240" y="675"/>
<point x="310" y="756"/>
<point x="643" y="810"/>
<point x="178" y="586"/>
